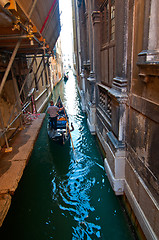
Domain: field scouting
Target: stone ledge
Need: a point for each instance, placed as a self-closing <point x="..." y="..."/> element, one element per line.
<point x="5" y="202"/>
<point x="116" y="184"/>
<point x="147" y="229"/>
<point x="10" y="179"/>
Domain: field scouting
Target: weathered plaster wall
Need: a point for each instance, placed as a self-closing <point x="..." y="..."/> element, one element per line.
<point x="7" y="102"/>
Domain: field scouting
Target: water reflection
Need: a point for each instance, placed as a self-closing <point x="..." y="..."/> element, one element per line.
<point x="73" y="191"/>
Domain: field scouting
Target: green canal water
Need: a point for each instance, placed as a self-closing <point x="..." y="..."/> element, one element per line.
<point x="66" y="195"/>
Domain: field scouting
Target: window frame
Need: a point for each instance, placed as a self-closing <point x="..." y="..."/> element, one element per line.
<point x="107" y="23"/>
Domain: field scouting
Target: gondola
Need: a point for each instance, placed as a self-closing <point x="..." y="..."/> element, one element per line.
<point x="65" y="77"/>
<point x="62" y="134"/>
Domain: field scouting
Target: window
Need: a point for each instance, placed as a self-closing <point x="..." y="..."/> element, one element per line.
<point x="107" y="10"/>
<point x="108" y="21"/>
<point x="105" y="32"/>
<point x="112" y="21"/>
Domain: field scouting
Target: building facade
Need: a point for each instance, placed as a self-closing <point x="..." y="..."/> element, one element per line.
<point x="117" y="63"/>
<point x="28" y="33"/>
<point x="56" y="63"/>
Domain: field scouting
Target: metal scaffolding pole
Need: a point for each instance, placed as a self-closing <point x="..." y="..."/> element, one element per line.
<point x="8" y="149"/>
<point x="35" y="74"/>
<point x="18" y="96"/>
<point x="22" y="87"/>
<point x="44" y="63"/>
<point x="16" y="93"/>
<point x="32" y="8"/>
<point x="9" y="65"/>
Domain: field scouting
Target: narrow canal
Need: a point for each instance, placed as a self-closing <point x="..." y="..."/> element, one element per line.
<point x="63" y="194"/>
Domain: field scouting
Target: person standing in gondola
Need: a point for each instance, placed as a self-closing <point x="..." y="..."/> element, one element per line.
<point x="53" y="112"/>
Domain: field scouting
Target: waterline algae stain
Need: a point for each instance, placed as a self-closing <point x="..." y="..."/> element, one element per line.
<point x="65" y="194"/>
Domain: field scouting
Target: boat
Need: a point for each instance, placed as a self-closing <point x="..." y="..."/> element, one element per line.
<point x="62" y="134"/>
<point x="66" y="77"/>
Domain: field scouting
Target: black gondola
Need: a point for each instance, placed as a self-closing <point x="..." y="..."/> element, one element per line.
<point x="65" y="77"/>
<point x="62" y="134"/>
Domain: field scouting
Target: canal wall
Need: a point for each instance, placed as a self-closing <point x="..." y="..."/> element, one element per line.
<point x="12" y="164"/>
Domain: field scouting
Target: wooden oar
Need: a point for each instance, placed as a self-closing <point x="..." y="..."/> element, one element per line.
<point x="69" y="130"/>
<point x="70" y="135"/>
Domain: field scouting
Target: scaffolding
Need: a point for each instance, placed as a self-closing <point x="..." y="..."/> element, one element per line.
<point x="27" y="43"/>
<point x="24" y="114"/>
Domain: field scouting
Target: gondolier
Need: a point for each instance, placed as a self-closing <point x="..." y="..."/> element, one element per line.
<point x="59" y="121"/>
<point x="53" y="112"/>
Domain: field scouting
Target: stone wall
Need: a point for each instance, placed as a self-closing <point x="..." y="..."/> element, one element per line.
<point x="125" y="66"/>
